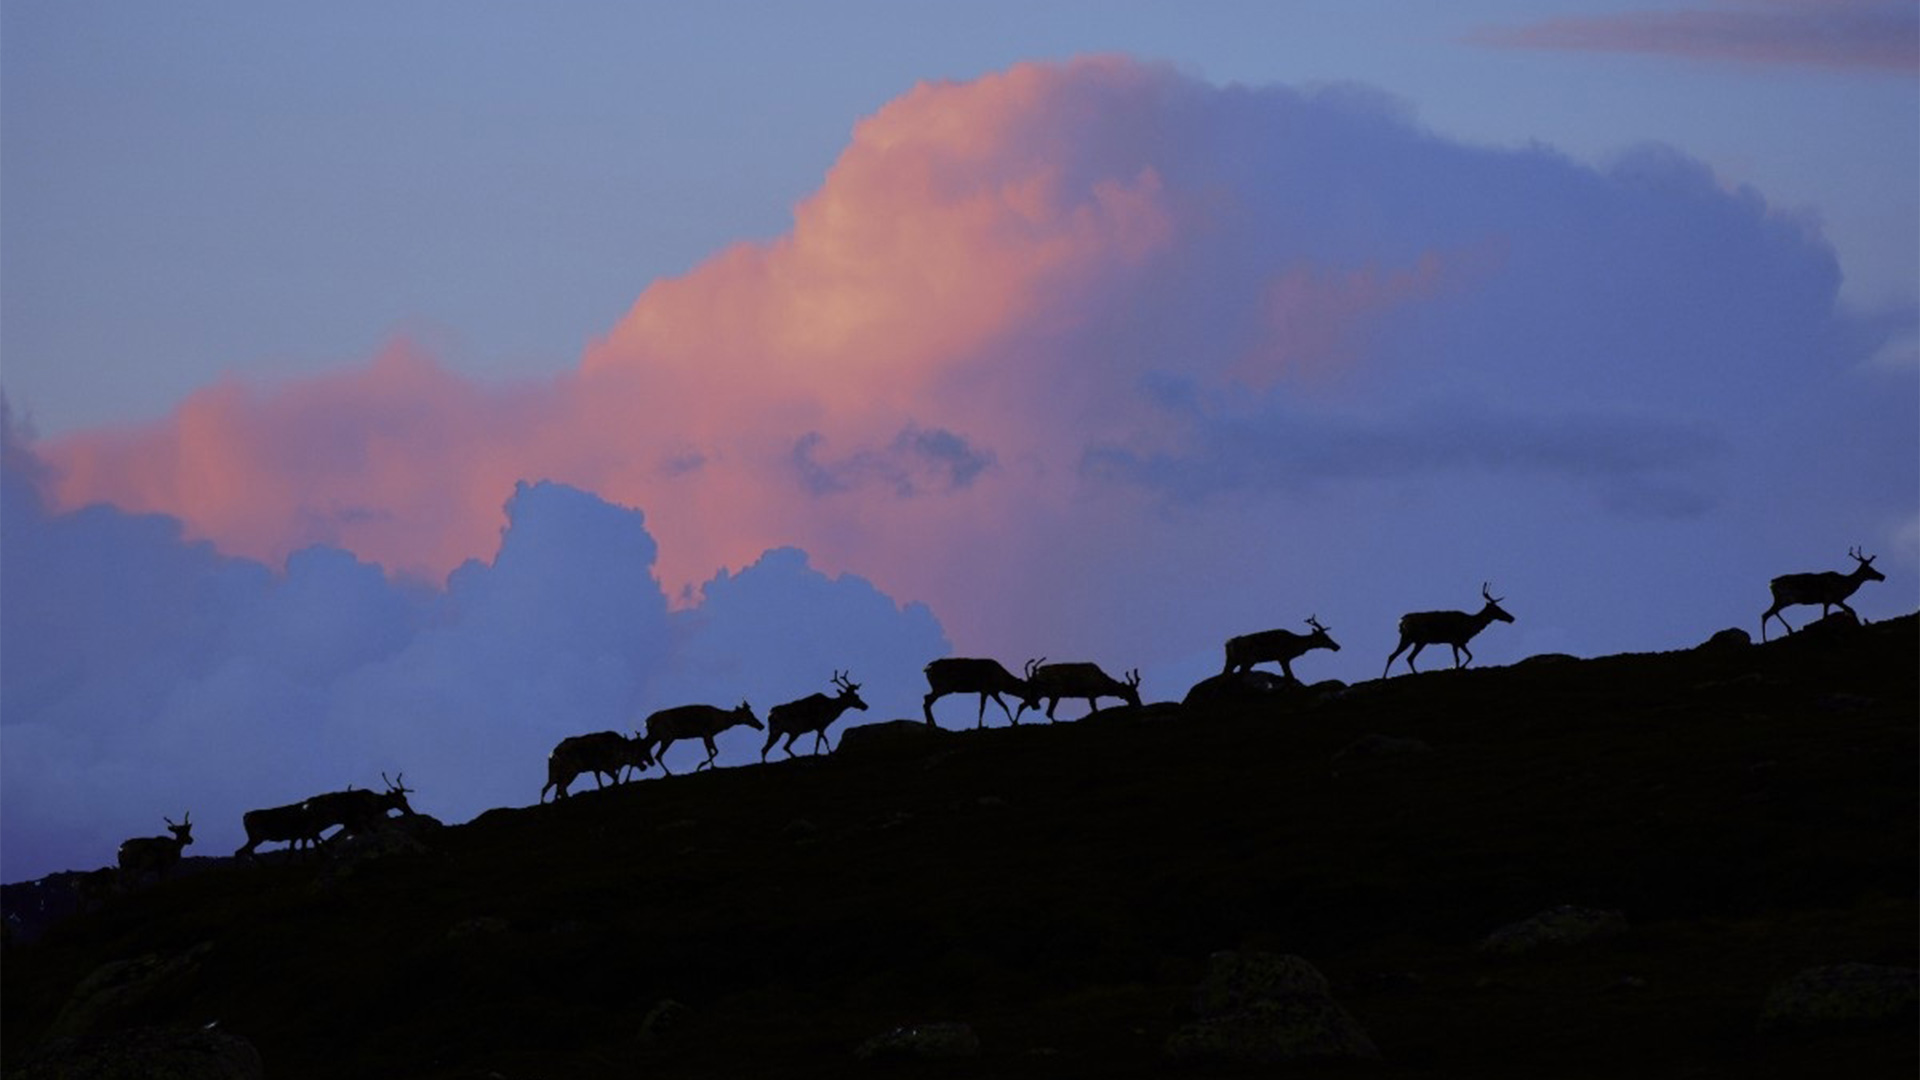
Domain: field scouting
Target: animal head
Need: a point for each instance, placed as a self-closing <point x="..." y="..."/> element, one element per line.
<point x="1131" y="695"/>
<point x="182" y="832"/>
<point x="1493" y="609"/>
<point x="397" y="792"/>
<point x="1319" y="636"/>
<point x="849" y="690"/>
<point x="1865" y="568"/>
<point x="744" y="715"/>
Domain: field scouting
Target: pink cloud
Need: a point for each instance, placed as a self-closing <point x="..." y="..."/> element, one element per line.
<point x="1019" y="312"/>
<point x="1882" y="35"/>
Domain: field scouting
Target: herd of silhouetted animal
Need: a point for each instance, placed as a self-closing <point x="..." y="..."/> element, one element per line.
<point x="609" y="753"/>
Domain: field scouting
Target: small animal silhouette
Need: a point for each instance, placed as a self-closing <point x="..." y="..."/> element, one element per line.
<point x="965" y="675"/>
<point x="602" y="753"/>
<point x="1051" y="682"/>
<point x="1828" y="588"/>
<point x="701" y="722"/>
<point x="1281" y="646"/>
<point x="814" y="713"/>
<point x="154" y="855"/>
<point x="1455" y="628"/>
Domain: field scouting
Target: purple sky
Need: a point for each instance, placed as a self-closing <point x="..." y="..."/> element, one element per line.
<point x="406" y="389"/>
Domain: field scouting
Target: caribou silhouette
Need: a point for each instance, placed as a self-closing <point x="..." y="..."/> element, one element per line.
<point x="154" y="855"/>
<point x="1455" y="628"/>
<point x="965" y="675"/>
<point x="815" y="713"/>
<point x="1828" y="588"/>
<point x="701" y="722"/>
<point x="1280" y="646"/>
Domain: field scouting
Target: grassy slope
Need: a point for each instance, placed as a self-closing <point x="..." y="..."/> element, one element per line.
<point x="1059" y="887"/>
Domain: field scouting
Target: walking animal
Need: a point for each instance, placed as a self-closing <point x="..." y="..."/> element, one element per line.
<point x="603" y="753"/>
<point x="1052" y="682"/>
<point x="1455" y="628"/>
<point x="964" y="675"/>
<point x="1281" y="646"/>
<point x="155" y="855"/>
<point x="814" y="713"/>
<point x="1829" y="589"/>
<point x="292" y="824"/>
<point x="701" y="722"/>
<point x="357" y="810"/>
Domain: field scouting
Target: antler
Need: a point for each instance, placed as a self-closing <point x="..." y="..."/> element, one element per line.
<point x="398" y="783"/>
<point x="1855" y="552"/>
<point x="1486" y="590"/>
<point x="841" y="679"/>
<point x="1314" y="621"/>
<point x="1133" y="678"/>
<point x="1034" y="665"/>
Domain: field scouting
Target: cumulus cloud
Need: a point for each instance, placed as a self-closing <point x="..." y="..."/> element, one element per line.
<point x="148" y="675"/>
<point x="1879" y="35"/>
<point x="1099" y="361"/>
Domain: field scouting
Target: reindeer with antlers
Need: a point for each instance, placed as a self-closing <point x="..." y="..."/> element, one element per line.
<point x="357" y="810"/>
<point x="154" y="855"/>
<point x="965" y="675"/>
<point x="1828" y="588"/>
<point x="602" y="753"/>
<point x="1051" y="682"/>
<point x="1454" y="628"/>
<point x="1280" y="646"/>
<point x="815" y="713"/>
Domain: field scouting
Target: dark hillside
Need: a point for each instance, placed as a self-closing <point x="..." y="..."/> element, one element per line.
<point x="1750" y="811"/>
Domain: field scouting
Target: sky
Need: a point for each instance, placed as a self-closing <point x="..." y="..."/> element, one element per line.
<point x="402" y="388"/>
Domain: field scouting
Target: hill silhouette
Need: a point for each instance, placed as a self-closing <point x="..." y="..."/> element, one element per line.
<point x="1046" y="899"/>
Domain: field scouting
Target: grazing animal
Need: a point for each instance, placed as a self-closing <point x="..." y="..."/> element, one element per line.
<point x="962" y="675"/>
<point x="1828" y="588"/>
<point x="154" y="855"/>
<point x="701" y="722"/>
<point x="1052" y="682"/>
<point x="293" y="824"/>
<point x="357" y="810"/>
<point x="1455" y="628"/>
<point x="603" y="753"/>
<point x="814" y="713"/>
<point x="1281" y="646"/>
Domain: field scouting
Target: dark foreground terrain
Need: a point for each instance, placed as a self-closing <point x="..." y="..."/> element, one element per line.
<point x="1746" y="812"/>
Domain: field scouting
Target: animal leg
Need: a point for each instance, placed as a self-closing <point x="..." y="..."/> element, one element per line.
<point x="1384" y="672"/>
<point x="926" y="706"/>
<point x="1457" y="650"/>
<point x="1414" y="653"/>
<point x="661" y="756"/>
<point x="1287" y="670"/>
<point x="712" y="752"/>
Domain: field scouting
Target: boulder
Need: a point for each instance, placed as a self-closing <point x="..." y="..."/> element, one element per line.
<point x="889" y="737"/>
<point x="1264" y="1009"/>
<point x="1555" y="927"/>
<point x="1235" y="980"/>
<point x="1732" y="639"/>
<point x="1251" y="687"/>
<point x="116" y="991"/>
<point x="923" y="1042"/>
<point x="666" y="1016"/>
<point x="1842" y="995"/>
<point x="1296" y="1028"/>
<point x="146" y="1054"/>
